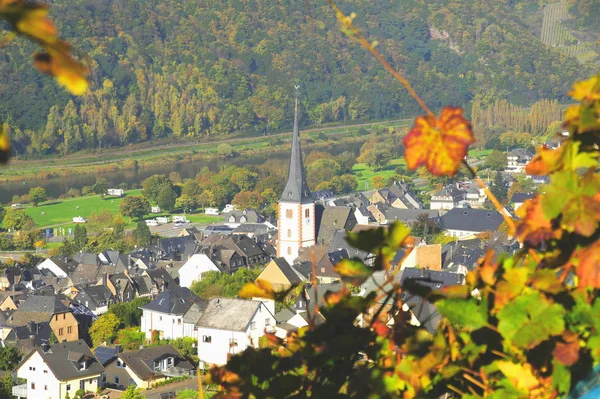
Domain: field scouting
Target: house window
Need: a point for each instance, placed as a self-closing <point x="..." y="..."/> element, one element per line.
<point x="267" y="322"/>
<point x="159" y="318"/>
<point x="289" y="250"/>
<point x="68" y="387"/>
<point x="45" y="371"/>
<point x="120" y="363"/>
<point x="33" y="385"/>
<point x="253" y="325"/>
<point x="61" y="331"/>
<point x="206" y="339"/>
<point x="307" y="213"/>
<point x="56" y="317"/>
<point x="178" y="321"/>
<point x="170" y="361"/>
<point x="45" y="387"/>
<point x="90" y="381"/>
<point x="31" y="368"/>
<point x="322" y="270"/>
<point x="69" y="330"/>
<point x="289" y="214"/>
<point x="64" y="316"/>
<point x="289" y="233"/>
<point x="117" y="380"/>
<point x="82" y="365"/>
<point x="232" y="342"/>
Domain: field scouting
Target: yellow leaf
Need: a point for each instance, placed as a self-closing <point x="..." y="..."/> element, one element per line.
<point x="586" y="90"/>
<point x="519" y="375"/>
<point x="258" y="289"/>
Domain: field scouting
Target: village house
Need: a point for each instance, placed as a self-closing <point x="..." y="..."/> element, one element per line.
<point x="164" y="315"/>
<point x="194" y="267"/>
<point x="235" y="218"/>
<point x="398" y="195"/>
<point x="228" y="326"/>
<point x="54" y="371"/>
<point x="519" y="199"/>
<point x="449" y="197"/>
<point x="146" y="367"/>
<point x="280" y="274"/>
<point x="517" y="159"/>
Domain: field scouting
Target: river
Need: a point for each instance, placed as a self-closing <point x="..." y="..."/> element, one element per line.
<point x="56" y="187"/>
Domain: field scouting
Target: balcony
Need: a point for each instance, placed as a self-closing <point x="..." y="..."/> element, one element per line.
<point x="20" y="391"/>
<point x="176" y="372"/>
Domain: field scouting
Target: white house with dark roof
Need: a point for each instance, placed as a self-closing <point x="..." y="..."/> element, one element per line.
<point x="519" y="199"/>
<point x="60" y="267"/>
<point x="54" y="371"/>
<point x="447" y="198"/>
<point x="228" y="326"/>
<point x="165" y="313"/>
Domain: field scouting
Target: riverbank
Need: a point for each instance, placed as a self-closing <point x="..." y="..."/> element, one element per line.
<point x="130" y="158"/>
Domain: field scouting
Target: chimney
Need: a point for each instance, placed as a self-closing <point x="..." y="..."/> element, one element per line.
<point x="45" y="347"/>
<point x="32" y="340"/>
<point x="118" y="348"/>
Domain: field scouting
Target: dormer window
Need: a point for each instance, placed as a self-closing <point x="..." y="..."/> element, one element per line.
<point x="82" y="365"/>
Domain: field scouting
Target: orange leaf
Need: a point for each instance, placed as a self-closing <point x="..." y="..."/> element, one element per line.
<point x="588" y="267"/>
<point x="68" y="72"/>
<point x="439" y="144"/>
<point x="567" y="352"/>
<point x="534" y="227"/>
<point x="544" y="162"/>
<point x="487" y="268"/>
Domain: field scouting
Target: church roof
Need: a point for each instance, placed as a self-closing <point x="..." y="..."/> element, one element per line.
<point x="296" y="190"/>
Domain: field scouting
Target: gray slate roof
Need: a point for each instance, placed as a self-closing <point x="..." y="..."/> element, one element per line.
<point x="296" y="190"/>
<point x="229" y="314"/>
<point x="177" y="301"/>
<point x="408" y="215"/>
<point x="58" y="355"/>
<point x="521" y="197"/>
<point x="288" y="272"/>
<point x="43" y="303"/>
<point x="141" y="361"/>
<point x="334" y="218"/>
<point x="477" y="220"/>
<point x="105" y="354"/>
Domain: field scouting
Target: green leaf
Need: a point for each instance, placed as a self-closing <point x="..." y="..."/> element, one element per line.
<point x="573" y="159"/>
<point x="530" y="319"/>
<point x="470" y="313"/>
<point x="561" y="377"/>
<point x="353" y="271"/>
<point x="381" y="241"/>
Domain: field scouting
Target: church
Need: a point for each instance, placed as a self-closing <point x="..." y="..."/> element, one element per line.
<point x="296" y="209"/>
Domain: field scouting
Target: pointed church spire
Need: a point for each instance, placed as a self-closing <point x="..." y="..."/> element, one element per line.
<point x="296" y="190"/>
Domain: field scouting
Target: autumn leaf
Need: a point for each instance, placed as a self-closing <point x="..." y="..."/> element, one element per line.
<point x="544" y="162"/>
<point x="534" y="227"/>
<point x="586" y="90"/>
<point x="567" y="351"/>
<point x="258" y="289"/>
<point x="439" y="144"/>
<point x="353" y="271"/>
<point x="588" y="266"/>
<point x="520" y="375"/>
<point x="4" y="145"/>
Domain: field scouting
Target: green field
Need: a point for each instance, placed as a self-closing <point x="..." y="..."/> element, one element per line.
<point x="365" y="174"/>
<point x="60" y="213"/>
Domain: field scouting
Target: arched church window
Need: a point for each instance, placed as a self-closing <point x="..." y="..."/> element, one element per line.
<point x="307" y="213"/>
<point x="288" y="213"/>
<point x="289" y="233"/>
<point x="289" y="250"/>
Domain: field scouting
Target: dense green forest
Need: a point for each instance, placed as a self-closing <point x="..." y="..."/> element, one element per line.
<point x="189" y="68"/>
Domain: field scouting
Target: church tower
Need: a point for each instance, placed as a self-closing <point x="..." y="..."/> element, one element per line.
<point x="296" y="214"/>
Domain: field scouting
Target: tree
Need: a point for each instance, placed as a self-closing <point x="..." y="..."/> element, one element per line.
<point x="129" y="312"/>
<point x="100" y="220"/>
<point x="80" y="239"/>
<point x="496" y="161"/>
<point x="26" y="238"/>
<point x="225" y="150"/>
<point x="248" y="199"/>
<point x="131" y="338"/>
<point x="425" y="227"/>
<point x="153" y="185"/>
<point x="378" y="182"/>
<point x="9" y="358"/>
<point x="100" y="187"/>
<point x="223" y="284"/>
<point x="166" y="198"/>
<point x="37" y="195"/>
<point x="132" y="392"/>
<point x="6" y="386"/>
<point x="191" y="188"/>
<point x="143" y="236"/>
<point x="499" y="187"/>
<point x="186" y="203"/>
<point x="17" y="219"/>
<point x="135" y="207"/>
<point x="104" y="329"/>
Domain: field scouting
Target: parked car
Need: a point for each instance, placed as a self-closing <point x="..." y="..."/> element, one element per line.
<point x="179" y="224"/>
<point x="179" y="219"/>
<point x="152" y="222"/>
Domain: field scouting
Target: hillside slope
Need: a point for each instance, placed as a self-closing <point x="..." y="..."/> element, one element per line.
<point x="212" y="67"/>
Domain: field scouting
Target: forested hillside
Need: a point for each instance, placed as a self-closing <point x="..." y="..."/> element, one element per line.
<point x="213" y="67"/>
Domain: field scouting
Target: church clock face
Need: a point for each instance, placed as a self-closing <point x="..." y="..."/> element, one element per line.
<point x="307" y="221"/>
